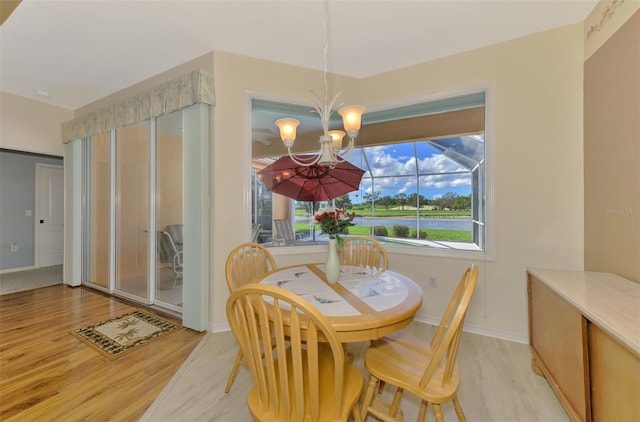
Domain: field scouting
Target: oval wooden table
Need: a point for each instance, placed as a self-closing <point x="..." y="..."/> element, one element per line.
<point x="365" y="304"/>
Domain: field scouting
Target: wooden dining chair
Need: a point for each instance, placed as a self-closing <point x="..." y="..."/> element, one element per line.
<point x="364" y="251"/>
<point x="425" y="369"/>
<point x="306" y="377"/>
<point x="245" y="263"/>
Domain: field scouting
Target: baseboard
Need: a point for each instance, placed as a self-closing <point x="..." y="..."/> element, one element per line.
<point x="14" y="270"/>
<point x="471" y="328"/>
<point x="219" y="327"/>
<point x="483" y="331"/>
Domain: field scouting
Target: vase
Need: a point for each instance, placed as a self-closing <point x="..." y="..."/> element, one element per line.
<point x="332" y="265"/>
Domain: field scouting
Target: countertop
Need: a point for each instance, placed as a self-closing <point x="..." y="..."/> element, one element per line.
<point x="609" y="301"/>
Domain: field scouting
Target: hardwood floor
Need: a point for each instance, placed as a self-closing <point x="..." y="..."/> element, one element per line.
<point x="48" y="374"/>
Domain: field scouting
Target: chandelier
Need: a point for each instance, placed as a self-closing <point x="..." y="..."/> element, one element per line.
<point x="331" y="152"/>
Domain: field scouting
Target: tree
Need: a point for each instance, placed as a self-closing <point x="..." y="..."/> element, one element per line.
<point x="401" y="199"/>
<point x="462" y="203"/>
<point x="415" y="200"/>
<point x="343" y="201"/>
<point x="386" y="201"/>
<point x="447" y="200"/>
<point x="371" y="197"/>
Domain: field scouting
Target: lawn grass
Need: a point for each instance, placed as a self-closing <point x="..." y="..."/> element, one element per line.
<point x="382" y="212"/>
<point x="432" y="234"/>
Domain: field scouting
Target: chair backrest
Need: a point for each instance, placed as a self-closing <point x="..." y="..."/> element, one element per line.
<point x="286" y="382"/>
<point x="246" y="262"/>
<point x="255" y="231"/>
<point x="446" y="339"/>
<point x="175" y="230"/>
<point x="364" y="251"/>
<point x="165" y="246"/>
<point x="284" y="230"/>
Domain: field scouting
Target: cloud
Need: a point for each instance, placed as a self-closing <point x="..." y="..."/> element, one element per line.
<point x="384" y="163"/>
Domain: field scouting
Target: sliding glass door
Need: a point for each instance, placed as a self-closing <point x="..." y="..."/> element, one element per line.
<point x="97" y="185"/>
<point x="145" y="213"/>
<point x="132" y="211"/>
<point x="169" y="196"/>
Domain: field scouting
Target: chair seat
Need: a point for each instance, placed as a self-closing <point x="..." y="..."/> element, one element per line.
<point x="399" y="359"/>
<point x="353" y="382"/>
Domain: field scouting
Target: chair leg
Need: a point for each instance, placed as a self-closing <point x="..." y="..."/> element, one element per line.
<point x="234" y="371"/>
<point x="355" y="412"/>
<point x="438" y="412"/>
<point x="458" y="407"/>
<point x="423" y="411"/>
<point x="368" y="397"/>
<point x="395" y="404"/>
<point x="381" y="386"/>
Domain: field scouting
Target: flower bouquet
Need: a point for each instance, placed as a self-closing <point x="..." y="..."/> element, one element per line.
<point x="334" y="222"/>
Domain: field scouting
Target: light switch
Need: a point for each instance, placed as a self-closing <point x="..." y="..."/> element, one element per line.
<point x="27" y="213"/>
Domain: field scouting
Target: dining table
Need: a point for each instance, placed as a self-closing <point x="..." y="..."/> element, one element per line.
<point x="364" y="304"/>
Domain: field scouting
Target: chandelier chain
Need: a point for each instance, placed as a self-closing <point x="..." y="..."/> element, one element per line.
<point x="331" y="152"/>
<point x="325" y="4"/>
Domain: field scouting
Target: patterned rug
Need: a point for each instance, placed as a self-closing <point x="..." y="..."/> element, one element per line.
<point x="118" y="336"/>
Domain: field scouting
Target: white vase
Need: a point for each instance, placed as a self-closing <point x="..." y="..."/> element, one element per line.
<point x="332" y="265"/>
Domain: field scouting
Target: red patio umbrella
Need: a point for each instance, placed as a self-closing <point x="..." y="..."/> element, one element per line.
<point x="313" y="183"/>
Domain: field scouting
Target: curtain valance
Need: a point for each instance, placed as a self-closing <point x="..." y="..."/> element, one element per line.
<point x="189" y="89"/>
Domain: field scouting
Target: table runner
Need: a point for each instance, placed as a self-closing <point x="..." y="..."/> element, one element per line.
<point x="379" y="290"/>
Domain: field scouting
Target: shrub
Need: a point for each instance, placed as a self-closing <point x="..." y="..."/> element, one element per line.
<point x="380" y="231"/>
<point x="400" y="230"/>
<point x="423" y="234"/>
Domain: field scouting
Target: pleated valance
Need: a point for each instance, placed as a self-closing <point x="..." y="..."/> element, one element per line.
<point x="189" y="89"/>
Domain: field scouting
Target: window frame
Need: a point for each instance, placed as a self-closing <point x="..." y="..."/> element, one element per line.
<point x="489" y="251"/>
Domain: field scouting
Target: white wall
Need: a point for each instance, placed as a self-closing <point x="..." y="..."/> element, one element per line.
<point x="538" y="140"/>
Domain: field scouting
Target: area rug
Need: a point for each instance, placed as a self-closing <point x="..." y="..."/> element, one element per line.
<point x="118" y="336"/>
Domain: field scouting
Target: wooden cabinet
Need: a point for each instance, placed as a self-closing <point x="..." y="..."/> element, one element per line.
<point x="615" y="378"/>
<point x="584" y="338"/>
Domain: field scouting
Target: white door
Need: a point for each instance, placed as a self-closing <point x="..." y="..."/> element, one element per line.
<point x="49" y="215"/>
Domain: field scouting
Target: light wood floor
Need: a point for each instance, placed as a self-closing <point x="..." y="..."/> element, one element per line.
<point x="497" y="384"/>
<point x="46" y="374"/>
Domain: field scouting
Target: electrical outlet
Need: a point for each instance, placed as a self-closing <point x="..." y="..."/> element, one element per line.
<point x="433" y="282"/>
<point x="14" y="247"/>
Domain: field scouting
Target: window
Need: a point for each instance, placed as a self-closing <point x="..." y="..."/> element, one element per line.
<point x="424" y="181"/>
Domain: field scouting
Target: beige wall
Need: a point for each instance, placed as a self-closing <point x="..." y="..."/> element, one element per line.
<point x="538" y="164"/>
<point x="538" y="138"/>
<point x="537" y="127"/>
<point x="32" y="126"/>
<point x="612" y="152"/>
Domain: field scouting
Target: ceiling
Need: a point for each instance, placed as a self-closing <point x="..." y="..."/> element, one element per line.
<point x="71" y="53"/>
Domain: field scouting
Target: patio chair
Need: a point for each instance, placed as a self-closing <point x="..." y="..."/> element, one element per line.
<point x="306" y="377"/>
<point x="167" y="252"/>
<point x="284" y="231"/>
<point x="255" y="231"/>
<point x="245" y="263"/>
<point x="175" y="230"/>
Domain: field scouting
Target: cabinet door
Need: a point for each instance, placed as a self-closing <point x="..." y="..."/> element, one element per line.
<point x="615" y="372"/>
<point x="558" y="343"/>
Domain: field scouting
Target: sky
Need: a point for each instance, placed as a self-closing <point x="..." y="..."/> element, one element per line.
<point x="399" y="161"/>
